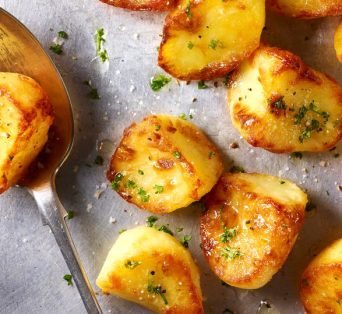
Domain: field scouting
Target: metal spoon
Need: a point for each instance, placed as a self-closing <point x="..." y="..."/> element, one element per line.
<point x="20" y="52"/>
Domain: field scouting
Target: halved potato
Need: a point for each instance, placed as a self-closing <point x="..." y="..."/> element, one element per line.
<point x="143" y="5"/>
<point x="164" y="163"/>
<point x="280" y="104"/>
<point x="205" y="39"/>
<point x="306" y="9"/>
<point x="25" y="118"/>
<point x="321" y="283"/>
<point x="250" y="226"/>
<point x="153" y="269"/>
<point x="338" y="42"/>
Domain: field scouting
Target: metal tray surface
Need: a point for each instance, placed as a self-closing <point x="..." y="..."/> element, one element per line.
<point x="132" y="39"/>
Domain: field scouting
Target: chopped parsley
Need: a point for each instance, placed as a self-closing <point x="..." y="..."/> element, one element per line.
<point x="228" y="234"/>
<point x="177" y="154"/>
<point x="116" y="182"/>
<point x="237" y="169"/>
<point x="187" y="10"/>
<point x="132" y="264"/>
<point x="230" y="253"/>
<point x="211" y="155"/>
<point x="141" y="172"/>
<point x="190" y="45"/>
<point x="159" y="81"/>
<point x="98" y="160"/>
<point x="227" y="79"/>
<point x="68" y="279"/>
<point x="214" y="43"/>
<point x="130" y="184"/>
<point x="63" y="34"/>
<point x="100" y="40"/>
<point x="179" y="229"/>
<point x="122" y="231"/>
<point x="143" y="195"/>
<point x="185" y="240"/>
<point x="301" y="114"/>
<point x="71" y="214"/>
<point x="296" y="155"/>
<point x="93" y="94"/>
<point x="201" y="85"/>
<point x="157" y="127"/>
<point x="151" y="220"/>
<point x="56" y="48"/>
<point x="279" y="104"/>
<point x="157" y="290"/>
<point x="165" y="229"/>
<point x="182" y="116"/>
<point x="159" y="189"/>
<point x="282" y="182"/>
<point x="313" y="126"/>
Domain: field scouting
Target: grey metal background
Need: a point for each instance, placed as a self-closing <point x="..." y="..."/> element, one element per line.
<point x="31" y="267"/>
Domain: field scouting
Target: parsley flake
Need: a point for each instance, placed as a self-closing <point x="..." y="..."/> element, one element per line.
<point x="100" y="40"/>
<point x="141" y="172"/>
<point x="68" y="279"/>
<point x="130" y="184"/>
<point x="159" y="189"/>
<point x="228" y="234"/>
<point x="71" y="214"/>
<point x="230" y="253"/>
<point x="63" y="34"/>
<point x="187" y="10"/>
<point x="214" y="43"/>
<point x="143" y="195"/>
<point x="177" y="154"/>
<point x="190" y="45"/>
<point x="157" y="290"/>
<point x="56" y="48"/>
<point x="296" y="155"/>
<point x="165" y="229"/>
<point x="201" y="85"/>
<point x="116" y="182"/>
<point x="151" y="220"/>
<point x="122" y="231"/>
<point x="185" y="240"/>
<point x="159" y="81"/>
<point x="132" y="264"/>
<point x="237" y="169"/>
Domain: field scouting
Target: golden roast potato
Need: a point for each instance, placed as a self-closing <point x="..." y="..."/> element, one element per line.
<point x="250" y="226"/>
<point x="321" y="284"/>
<point x="280" y="104"/>
<point x="208" y="38"/>
<point x="306" y="9"/>
<point x="338" y="42"/>
<point x="25" y="118"/>
<point x="164" y="163"/>
<point x="153" y="269"/>
<point x="143" y="5"/>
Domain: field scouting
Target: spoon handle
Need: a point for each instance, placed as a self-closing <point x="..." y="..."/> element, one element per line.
<point x="54" y="214"/>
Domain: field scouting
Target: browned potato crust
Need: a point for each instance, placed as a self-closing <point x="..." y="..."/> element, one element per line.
<point x="280" y="104"/>
<point x="205" y="39"/>
<point x="306" y="9"/>
<point x="143" y="258"/>
<point x="143" y="5"/>
<point x="250" y="226"/>
<point x="338" y="42"/>
<point x="25" y="118"/>
<point x="164" y="163"/>
<point x="321" y="283"/>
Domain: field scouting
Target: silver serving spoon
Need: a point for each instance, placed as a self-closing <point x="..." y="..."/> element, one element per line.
<point x="20" y="52"/>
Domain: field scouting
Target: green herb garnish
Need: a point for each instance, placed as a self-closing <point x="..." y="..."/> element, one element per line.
<point x="296" y="155"/>
<point x="141" y="172"/>
<point x="230" y="253"/>
<point x="63" y="34"/>
<point x="56" y="48"/>
<point x="151" y="220"/>
<point x="177" y="154"/>
<point x="143" y="195"/>
<point x="165" y="229"/>
<point x="159" y="81"/>
<point x="228" y="234"/>
<point x="237" y="169"/>
<point x="179" y="229"/>
<point x="100" y="40"/>
<point x="190" y="45"/>
<point x="159" y="189"/>
<point x="185" y="240"/>
<point x="211" y="155"/>
<point x="187" y="10"/>
<point x="201" y="85"/>
<point x="182" y="116"/>
<point x="93" y="94"/>
<point x="68" y="279"/>
<point x="116" y="182"/>
<point x="157" y="127"/>
<point x="157" y="290"/>
<point x="122" y="231"/>
<point x="214" y="43"/>
<point x="70" y="214"/>
<point x="130" y="184"/>
<point x="132" y="264"/>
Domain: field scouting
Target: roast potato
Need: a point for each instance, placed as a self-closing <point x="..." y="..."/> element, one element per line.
<point x="153" y="269"/>
<point x="306" y="9"/>
<point x="280" y="104"/>
<point x="164" y="163"/>
<point x="249" y="227"/>
<point x="143" y="5"/>
<point x="338" y="42"/>
<point x="25" y="118"/>
<point x="321" y="283"/>
<point x="205" y="39"/>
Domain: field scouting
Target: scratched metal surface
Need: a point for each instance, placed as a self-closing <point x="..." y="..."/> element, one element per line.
<point x="31" y="267"/>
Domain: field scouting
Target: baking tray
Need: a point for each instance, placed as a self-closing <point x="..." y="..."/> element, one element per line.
<point x="123" y="84"/>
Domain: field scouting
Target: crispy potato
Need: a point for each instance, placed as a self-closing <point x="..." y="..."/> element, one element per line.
<point x="143" y="5"/>
<point x="208" y="38"/>
<point x="306" y="9"/>
<point x="164" y="163"/>
<point x="338" y="42"/>
<point x="321" y="283"/>
<point x="280" y="104"/>
<point x="153" y="269"/>
<point x="25" y="118"/>
<point x="250" y="226"/>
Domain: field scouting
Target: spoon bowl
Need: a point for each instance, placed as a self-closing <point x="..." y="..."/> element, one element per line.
<point x="20" y="52"/>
